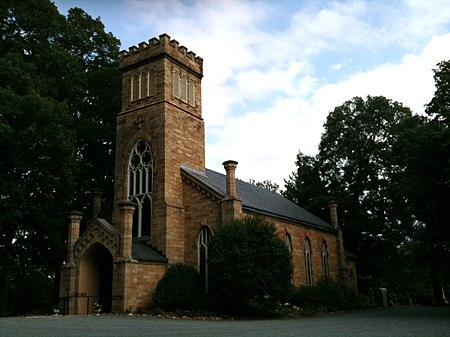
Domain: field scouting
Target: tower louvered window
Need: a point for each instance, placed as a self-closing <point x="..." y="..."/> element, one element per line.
<point x="135" y="88"/>
<point x="183" y="88"/>
<point x="140" y="184"/>
<point x="176" y="84"/>
<point x="191" y="93"/>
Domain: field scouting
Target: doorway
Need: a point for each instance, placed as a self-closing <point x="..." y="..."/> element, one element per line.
<point x="96" y="273"/>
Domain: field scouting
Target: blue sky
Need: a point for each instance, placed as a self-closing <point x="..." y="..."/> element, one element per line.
<point x="273" y="70"/>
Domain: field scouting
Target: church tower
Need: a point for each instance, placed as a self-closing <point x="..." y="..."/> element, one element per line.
<point x="159" y="129"/>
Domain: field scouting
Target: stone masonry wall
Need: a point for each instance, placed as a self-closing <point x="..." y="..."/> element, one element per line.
<point x="200" y="210"/>
<point x="298" y="234"/>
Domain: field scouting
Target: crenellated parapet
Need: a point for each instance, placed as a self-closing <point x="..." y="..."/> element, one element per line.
<point x="164" y="46"/>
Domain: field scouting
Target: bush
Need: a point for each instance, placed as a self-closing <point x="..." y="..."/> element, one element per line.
<point x="180" y="288"/>
<point x="250" y="267"/>
<point x="328" y="295"/>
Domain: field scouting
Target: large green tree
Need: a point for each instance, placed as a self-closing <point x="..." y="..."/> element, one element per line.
<point x="250" y="267"/>
<point x="356" y="167"/>
<point x="59" y="93"/>
<point x="306" y="187"/>
<point x="425" y="150"/>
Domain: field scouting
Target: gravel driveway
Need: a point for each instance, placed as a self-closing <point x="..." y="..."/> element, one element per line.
<point x="398" y="322"/>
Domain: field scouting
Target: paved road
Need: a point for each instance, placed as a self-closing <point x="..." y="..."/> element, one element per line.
<point x="398" y="322"/>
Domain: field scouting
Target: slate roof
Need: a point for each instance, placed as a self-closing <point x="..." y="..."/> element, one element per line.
<point x="144" y="253"/>
<point x="256" y="199"/>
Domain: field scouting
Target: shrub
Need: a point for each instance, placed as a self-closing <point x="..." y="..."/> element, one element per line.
<point x="250" y="267"/>
<point x="180" y="288"/>
<point x="327" y="295"/>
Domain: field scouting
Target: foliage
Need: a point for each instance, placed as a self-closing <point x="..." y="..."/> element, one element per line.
<point x="306" y="188"/>
<point x="250" y="267"/>
<point x="358" y="167"/>
<point x="59" y="96"/>
<point x="425" y="149"/>
<point x="328" y="295"/>
<point x="267" y="184"/>
<point x="389" y="171"/>
<point x="180" y="288"/>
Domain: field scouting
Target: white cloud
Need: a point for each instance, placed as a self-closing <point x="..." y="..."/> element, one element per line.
<point x="267" y="90"/>
<point x="266" y="142"/>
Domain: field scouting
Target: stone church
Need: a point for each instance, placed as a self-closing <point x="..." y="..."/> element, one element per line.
<point x="167" y="205"/>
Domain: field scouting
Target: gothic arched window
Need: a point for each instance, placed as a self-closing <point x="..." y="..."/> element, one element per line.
<point x="325" y="269"/>
<point x="204" y="238"/>
<point x="288" y="244"/>
<point x="140" y="184"/>
<point x="308" y="263"/>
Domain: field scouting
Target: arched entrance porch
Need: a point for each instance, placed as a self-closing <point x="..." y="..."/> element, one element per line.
<point x="95" y="279"/>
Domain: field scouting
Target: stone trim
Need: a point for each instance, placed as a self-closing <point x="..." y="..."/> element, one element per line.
<point x="98" y="232"/>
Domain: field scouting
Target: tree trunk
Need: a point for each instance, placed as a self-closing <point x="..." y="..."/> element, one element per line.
<point x="4" y="287"/>
<point x="437" y="288"/>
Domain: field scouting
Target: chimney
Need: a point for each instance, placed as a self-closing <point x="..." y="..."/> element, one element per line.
<point x="340" y="254"/>
<point x="230" y="168"/>
<point x="126" y="210"/>
<point x="97" y="202"/>
<point x="333" y="213"/>
<point x="230" y="204"/>
<point x="74" y="233"/>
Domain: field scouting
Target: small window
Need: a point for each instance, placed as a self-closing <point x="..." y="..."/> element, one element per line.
<point x="308" y="263"/>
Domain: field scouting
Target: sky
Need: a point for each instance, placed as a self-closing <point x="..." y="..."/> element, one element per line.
<point x="273" y="70"/>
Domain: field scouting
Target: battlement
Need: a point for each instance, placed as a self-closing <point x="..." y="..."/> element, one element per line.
<point x="155" y="47"/>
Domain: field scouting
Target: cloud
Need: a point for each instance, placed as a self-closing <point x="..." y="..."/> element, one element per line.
<point x="274" y="70"/>
<point x="265" y="142"/>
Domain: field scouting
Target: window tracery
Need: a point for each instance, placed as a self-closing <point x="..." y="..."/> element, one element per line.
<point x="140" y="184"/>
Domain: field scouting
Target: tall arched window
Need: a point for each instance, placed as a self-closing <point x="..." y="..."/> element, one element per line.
<point x="140" y="184"/>
<point x="325" y="269"/>
<point x="204" y="238"/>
<point x="308" y="263"/>
<point x="288" y="244"/>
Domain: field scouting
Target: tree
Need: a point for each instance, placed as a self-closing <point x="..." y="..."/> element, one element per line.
<point x="356" y="167"/>
<point x="180" y="288"/>
<point x="249" y="265"/>
<point x="47" y="86"/>
<point x="266" y="184"/>
<point x="306" y="188"/>
<point x="425" y="152"/>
